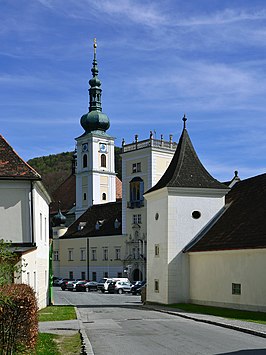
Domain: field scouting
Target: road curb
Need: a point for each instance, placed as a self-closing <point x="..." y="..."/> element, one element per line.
<point x="86" y="344"/>
<point x="208" y="321"/>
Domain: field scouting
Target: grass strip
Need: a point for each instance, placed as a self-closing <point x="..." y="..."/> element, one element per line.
<point x="57" y="313"/>
<point x="248" y="316"/>
<point x="52" y="344"/>
<point x="46" y="344"/>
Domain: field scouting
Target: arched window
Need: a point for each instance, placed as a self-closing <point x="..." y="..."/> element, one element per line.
<point x="104" y="196"/>
<point x="85" y="161"/>
<point x="103" y="160"/>
<point x="136" y="192"/>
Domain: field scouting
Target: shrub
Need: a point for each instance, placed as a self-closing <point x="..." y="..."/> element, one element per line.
<point x="18" y="319"/>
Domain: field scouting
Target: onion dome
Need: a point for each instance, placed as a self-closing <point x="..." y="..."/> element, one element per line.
<point x="59" y="219"/>
<point x="95" y="120"/>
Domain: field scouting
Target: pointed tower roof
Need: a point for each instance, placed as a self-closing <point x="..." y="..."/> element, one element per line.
<point x="12" y="166"/>
<point x="95" y="120"/>
<point x="185" y="169"/>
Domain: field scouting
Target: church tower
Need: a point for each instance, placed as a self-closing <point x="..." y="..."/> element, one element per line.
<point x="95" y="173"/>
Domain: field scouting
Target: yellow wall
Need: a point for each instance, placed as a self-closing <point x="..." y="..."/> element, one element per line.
<point x="212" y="275"/>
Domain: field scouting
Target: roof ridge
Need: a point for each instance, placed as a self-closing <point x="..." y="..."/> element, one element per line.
<point x="11" y="150"/>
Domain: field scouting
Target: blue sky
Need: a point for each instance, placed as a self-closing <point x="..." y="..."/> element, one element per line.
<point x="157" y="60"/>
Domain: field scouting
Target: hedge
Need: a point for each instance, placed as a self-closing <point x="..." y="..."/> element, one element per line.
<point x="18" y="319"/>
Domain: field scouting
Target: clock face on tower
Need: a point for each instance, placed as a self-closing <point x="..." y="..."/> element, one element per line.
<point x="85" y="147"/>
<point x="103" y="148"/>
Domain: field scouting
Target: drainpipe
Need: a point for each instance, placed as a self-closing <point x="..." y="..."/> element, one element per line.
<point x="32" y="210"/>
<point x="88" y="258"/>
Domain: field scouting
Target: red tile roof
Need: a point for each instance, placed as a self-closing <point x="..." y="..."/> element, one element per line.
<point x="243" y="223"/>
<point x="118" y="184"/>
<point x="12" y="166"/>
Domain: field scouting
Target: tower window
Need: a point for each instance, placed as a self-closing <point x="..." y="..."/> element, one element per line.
<point x="136" y="167"/>
<point x="136" y="193"/>
<point x="104" y="196"/>
<point x="85" y="161"/>
<point x="84" y="196"/>
<point x="103" y="160"/>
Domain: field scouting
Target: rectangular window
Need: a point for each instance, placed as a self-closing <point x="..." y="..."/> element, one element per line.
<point x="105" y="254"/>
<point x="236" y="289"/>
<point x="34" y="281"/>
<point x="117" y="254"/>
<point x="71" y="275"/>
<point x="83" y="275"/>
<point x="156" y="285"/>
<point x="45" y="229"/>
<point x="70" y="254"/>
<point x="136" y="167"/>
<point x="93" y="254"/>
<point x="82" y="254"/>
<point x="41" y="226"/>
<point x="56" y="255"/>
<point x="136" y="218"/>
<point x="156" y="250"/>
<point x="94" y="276"/>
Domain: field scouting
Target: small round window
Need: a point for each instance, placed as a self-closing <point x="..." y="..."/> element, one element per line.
<point x="157" y="216"/>
<point x="196" y="214"/>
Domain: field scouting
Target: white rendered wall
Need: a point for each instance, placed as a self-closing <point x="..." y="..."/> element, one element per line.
<point x="157" y="266"/>
<point x="41" y="232"/>
<point x="94" y="171"/>
<point x="15" y="220"/>
<point x="212" y="275"/>
<point x="176" y="229"/>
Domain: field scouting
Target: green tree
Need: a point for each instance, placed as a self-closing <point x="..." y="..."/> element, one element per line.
<point x="8" y="263"/>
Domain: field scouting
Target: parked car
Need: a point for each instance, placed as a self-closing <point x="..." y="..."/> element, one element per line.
<point x="106" y="284"/>
<point x="108" y="281"/>
<point x="100" y="286"/>
<point x="111" y="287"/>
<point x="122" y="287"/>
<point x="91" y="285"/>
<point x="57" y="281"/>
<point x="80" y="286"/>
<point x="136" y="288"/>
<point x="71" y="284"/>
<point x="64" y="283"/>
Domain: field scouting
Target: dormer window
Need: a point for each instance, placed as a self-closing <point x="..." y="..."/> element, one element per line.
<point x="81" y="225"/>
<point x="117" y="224"/>
<point x="97" y="225"/>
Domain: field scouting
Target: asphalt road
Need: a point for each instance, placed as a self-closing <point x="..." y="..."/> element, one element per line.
<point x="118" y="324"/>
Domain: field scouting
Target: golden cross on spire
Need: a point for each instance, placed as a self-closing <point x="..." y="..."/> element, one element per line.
<point x="94" y="45"/>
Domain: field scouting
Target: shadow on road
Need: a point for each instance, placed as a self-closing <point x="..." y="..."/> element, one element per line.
<point x="246" y="352"/>
<point x="129" y="306"/>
